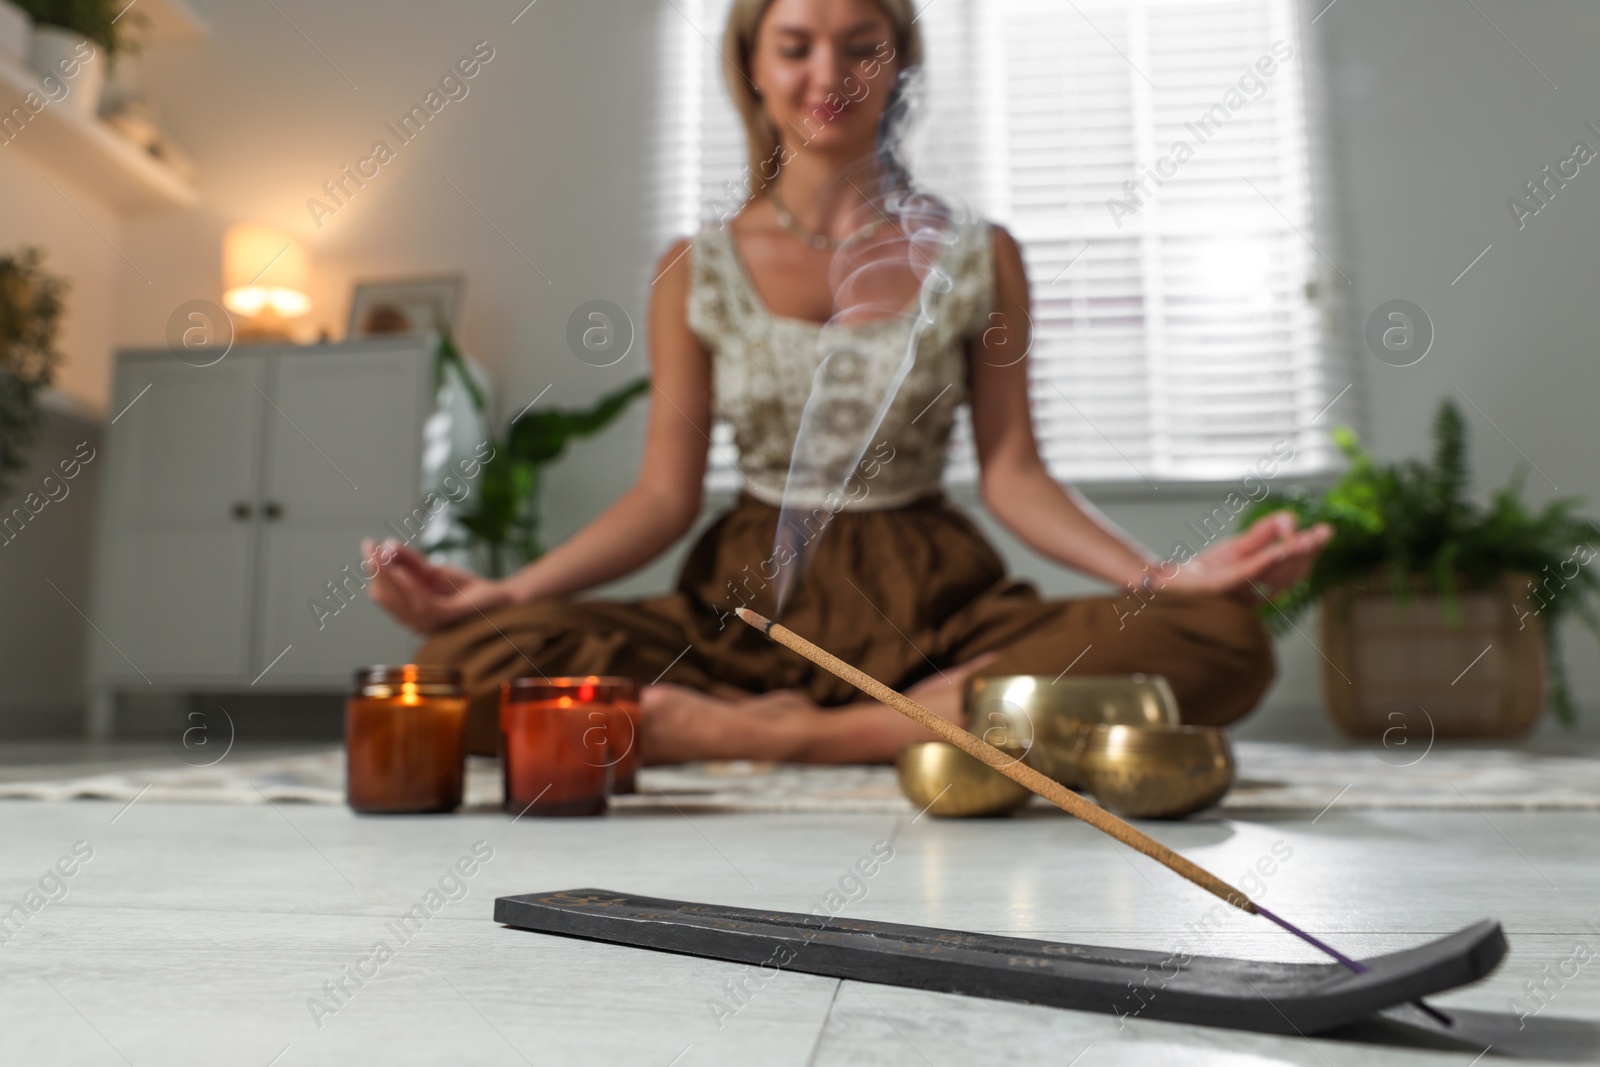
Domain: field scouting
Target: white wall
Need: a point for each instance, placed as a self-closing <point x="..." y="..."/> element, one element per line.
<point x="41" y="633"/>
<point x="1442" y="119"/>
<point x="78" y="236"/>
<point x="1437" y="120"/>
<point x="531" y="184"/>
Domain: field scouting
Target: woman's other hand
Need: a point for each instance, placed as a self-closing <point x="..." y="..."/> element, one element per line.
<point x="426" y="597"/>
<point x="1262" y="561"/>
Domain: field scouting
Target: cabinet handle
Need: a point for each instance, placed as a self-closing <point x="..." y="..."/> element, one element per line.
<point x="240" y="510"/>
<point x="272" y="510"/>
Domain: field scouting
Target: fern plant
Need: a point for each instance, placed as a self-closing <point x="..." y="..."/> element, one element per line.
<point x="506" y="515"/>
<point x="1414" y="522"/>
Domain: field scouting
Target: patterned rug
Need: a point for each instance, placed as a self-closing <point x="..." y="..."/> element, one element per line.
<point x="1272" y="776"/>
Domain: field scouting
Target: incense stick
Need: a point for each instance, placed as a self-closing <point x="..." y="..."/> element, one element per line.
<point x="1049" y="788"/>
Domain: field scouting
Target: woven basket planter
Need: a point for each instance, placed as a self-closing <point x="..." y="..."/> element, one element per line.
<point x="1389" y="663"/>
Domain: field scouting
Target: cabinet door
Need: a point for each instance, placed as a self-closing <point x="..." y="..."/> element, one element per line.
<point x="344" y="457"/>
<point x="173" y="596"/>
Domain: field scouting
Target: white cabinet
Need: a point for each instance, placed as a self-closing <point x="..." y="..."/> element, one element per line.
<point x="236" y="498"/>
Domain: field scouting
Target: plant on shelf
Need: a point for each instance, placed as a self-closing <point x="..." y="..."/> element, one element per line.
<point x="30" y="316"/>
<point x="1413" y="522"/>
<point x="108" y="23"/>
<point x="506" y="512"/>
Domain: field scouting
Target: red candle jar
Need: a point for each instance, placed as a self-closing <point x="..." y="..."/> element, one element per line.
<point x="405" y="733"/>
<point x="565" y="740"/>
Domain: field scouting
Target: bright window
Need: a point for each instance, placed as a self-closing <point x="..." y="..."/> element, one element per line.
<point x="1159" y="163"/>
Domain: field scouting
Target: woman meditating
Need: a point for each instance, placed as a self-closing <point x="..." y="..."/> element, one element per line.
<point x="898" y="581"/>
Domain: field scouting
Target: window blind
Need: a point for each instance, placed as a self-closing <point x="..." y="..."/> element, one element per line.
<point x="1159" y="163"/>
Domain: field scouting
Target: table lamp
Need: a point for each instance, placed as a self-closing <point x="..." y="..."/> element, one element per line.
<point x="264" y="277"/>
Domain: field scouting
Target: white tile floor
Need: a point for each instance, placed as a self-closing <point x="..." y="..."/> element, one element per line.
<point x="197" y="934"/>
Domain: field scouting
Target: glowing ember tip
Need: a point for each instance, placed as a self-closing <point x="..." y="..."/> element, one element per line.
<point x="760" y="622"/>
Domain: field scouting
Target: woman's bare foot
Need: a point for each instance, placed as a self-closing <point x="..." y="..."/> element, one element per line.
<point x="941" y="693"/>
<point x="681" y="724"/>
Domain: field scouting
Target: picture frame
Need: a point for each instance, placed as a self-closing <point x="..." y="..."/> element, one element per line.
<point x="402" y="307"/>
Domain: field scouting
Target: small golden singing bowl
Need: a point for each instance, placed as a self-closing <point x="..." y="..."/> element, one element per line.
<point x="1043" y="715"/>
<point x="943" y="780"/>
<point x="1155" y="772"/>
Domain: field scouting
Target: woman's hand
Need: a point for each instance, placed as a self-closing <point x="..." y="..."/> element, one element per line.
<point x="426" y="597"/>
<point x="1262" y="561"/>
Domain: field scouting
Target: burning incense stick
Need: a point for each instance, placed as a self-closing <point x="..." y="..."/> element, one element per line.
<point x="1048" y="788"/>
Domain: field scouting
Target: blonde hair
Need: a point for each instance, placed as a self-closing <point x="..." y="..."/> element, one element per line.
<point x="761" y="137"/>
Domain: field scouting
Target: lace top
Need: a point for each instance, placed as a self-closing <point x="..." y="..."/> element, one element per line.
<point x="763" y="366"/>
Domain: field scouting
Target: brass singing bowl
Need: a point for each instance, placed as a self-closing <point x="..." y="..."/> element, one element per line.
<point x="943" y="780"/>
<point x="1044" y="715"/>
<point x="1155" y="772"/>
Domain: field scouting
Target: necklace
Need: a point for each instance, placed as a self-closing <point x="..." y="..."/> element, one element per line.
<point x="816" y="240"/>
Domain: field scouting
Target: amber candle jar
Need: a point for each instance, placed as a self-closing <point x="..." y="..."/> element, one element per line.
<point x="405" y="731"/>
<point x="565" y="741"/>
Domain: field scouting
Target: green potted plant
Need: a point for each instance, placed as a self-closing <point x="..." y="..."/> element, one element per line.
<point x="30" y="317"/>
<point x="1431" y="601"/>
<point x="505" y="514"/>
<point x="107" y="23"/>
<point x="78" y="42"/>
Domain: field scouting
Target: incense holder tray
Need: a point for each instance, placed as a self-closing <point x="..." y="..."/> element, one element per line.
<point x="1278" y="998"/>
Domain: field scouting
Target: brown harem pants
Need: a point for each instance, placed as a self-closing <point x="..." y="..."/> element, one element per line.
<point x="898" y="592"/>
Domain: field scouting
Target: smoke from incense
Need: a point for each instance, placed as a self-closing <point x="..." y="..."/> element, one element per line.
<point x="883" y="282"/>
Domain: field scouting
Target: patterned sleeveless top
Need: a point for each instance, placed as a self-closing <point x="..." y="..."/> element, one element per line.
<point x="763" y="365"/>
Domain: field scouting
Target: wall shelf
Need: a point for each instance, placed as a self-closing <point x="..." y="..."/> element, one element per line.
<point x="88" y="152"/>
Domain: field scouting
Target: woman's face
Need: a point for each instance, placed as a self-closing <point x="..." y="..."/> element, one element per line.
<point x="824" y="69"/>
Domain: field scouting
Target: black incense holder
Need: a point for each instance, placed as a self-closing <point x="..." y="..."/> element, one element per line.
<point x="1279" y="998"/>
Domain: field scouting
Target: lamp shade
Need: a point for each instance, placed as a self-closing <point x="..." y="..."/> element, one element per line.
<point x="264" y="268"/>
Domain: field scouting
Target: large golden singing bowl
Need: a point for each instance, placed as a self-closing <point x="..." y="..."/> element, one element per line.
<point x="943" y="780"/>
<point x="1155" y="772"/>
<point x="1043" y="715"/>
